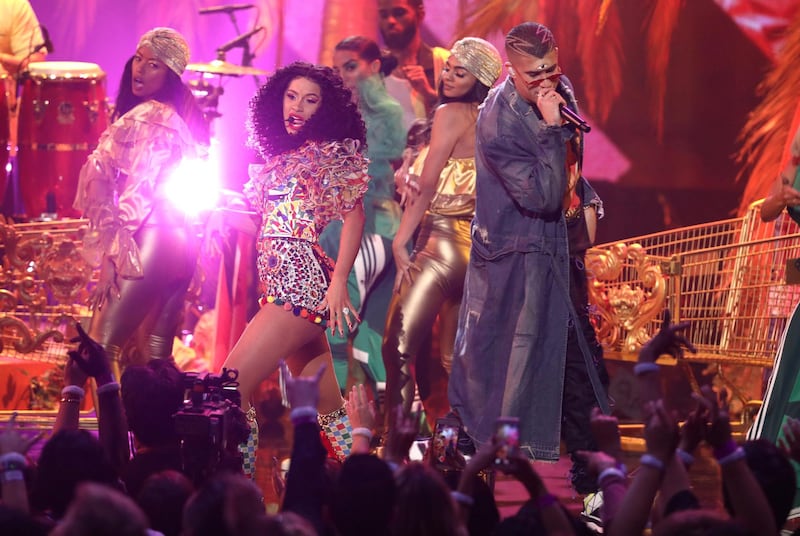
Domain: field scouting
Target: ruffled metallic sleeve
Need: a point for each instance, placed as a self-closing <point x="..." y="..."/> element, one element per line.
<point x="117" y="185"/>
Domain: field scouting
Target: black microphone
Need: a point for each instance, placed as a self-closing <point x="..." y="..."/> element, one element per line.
<point x="238" y="41"/>
<point x="225" y="9"/>
<point x="48" y="44"/>
<point x="573" y="118"/>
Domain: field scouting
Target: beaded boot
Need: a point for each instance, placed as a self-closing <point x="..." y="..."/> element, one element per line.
<point x="338" y="431"/>
<point x="248" y="448"/>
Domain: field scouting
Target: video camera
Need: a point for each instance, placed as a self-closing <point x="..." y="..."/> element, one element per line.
<point x="206" y="422"/>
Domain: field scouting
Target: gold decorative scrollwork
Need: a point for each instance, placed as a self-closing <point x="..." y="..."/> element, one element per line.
<point x="43" y="287"/>
<point x="624" y="310"/>
<point x="27" y="339"/>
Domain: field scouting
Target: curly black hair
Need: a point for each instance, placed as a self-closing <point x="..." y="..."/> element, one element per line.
<point x="336" y="119"/>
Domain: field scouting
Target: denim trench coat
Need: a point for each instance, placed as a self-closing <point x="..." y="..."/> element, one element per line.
<point x="512" y="334"/>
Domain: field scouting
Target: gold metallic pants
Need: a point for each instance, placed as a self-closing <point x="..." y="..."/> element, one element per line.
<point x="441" y="254"/>
<point x="154" y="303"/>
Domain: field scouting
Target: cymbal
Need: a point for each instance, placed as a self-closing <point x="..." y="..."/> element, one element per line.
<point x="224" y="68"/>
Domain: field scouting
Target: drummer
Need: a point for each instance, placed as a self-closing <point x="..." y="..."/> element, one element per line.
<point x="20" y="35"/>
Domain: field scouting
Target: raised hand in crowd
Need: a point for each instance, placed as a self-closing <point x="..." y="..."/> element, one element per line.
<point x="306" y="486"/>
<point x="553" y="517"/>
<point x="401" y="435"/>
<point x="13" y="447"/>
<point x="750" y="507"/>
<point x="605" y="464"/>
<point x="91" y="359"/>
<point x="661" y="434"/>
<point x="669" y="340"/>
<point x="361" y="411"/>
<point x="301" y="392"/>
<point x="694" y="428"/>
<point x="605" y="430"/>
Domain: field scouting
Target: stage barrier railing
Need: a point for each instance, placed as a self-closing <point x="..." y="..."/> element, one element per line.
<point x="728" y="278"/>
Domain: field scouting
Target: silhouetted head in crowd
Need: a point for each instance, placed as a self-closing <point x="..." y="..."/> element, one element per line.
<point x="528" y="522"/>
<point x="101" y="511"/>
<point x="699" y="523"/>
<point x="423" y="504"/>
<point x="287" y="524"/>
<point x="162" y="498"/>
<point x="69" y="458"/>
<point x="363" y="496"/>
<point x="151" y="394"/>
<point x="483" y="515"/>
<point x="226" y="505"/>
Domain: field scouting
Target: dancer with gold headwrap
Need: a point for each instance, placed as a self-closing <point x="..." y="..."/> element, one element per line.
<point x="521" y="349"/>
<point x="147" y="247"/>
<point x="429" y="283"/>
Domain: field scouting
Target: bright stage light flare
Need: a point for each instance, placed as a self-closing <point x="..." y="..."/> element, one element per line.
<point x="194" y="186"/>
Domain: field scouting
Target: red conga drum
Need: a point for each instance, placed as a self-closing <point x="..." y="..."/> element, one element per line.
<point x="62" y="112"/>
<point x="5" y="131"/>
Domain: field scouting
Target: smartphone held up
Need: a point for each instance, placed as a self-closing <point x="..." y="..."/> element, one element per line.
<point x="507" y="434"/>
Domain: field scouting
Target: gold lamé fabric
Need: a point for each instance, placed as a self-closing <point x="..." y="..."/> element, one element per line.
<point x="455" y="191"/>
<point x="441" y="256"/>
<point x="122" y="179"/>
<point x="146" y="247"/>
<point x="152" y="305"/>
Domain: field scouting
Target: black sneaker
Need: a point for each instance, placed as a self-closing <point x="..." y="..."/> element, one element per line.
<point x="579" y="477"/>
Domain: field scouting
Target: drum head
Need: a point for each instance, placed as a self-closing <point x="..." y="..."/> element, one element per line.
<point x="65" y="69"/>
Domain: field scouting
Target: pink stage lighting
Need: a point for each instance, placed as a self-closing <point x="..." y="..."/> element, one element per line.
<point x="194" y="186"/>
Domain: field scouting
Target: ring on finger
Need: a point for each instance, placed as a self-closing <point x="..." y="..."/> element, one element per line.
<point x="345" y="310"/>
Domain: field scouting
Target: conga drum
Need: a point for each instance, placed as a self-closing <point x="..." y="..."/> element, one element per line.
<point x="5" y="131"/>
<point x="62" y="112"/>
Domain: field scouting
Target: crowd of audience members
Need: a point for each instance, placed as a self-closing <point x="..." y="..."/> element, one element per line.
<point x="90" y="484"/>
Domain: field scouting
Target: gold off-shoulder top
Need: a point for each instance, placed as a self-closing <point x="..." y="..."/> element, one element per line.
<point x="455" y="191"/>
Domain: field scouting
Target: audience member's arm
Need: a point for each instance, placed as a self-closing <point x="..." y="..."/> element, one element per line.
<point x="401" y="436"/>
<point x="482" y="459"/>
<point x="72" y="395"/>
<point x="611" y="480"/>
<point x="606" y="463"/>
<point x="112" y="425"/>
<point x="12" y="465"/>
<point x="552" y="514"/>
<point x="749" y="504"/>
<point x="668" y="340"/>
<point x="361" y="411"/>
<point x="676" y="476"/>
<point x="661" y="436"/>
<point x="305" y="482"/>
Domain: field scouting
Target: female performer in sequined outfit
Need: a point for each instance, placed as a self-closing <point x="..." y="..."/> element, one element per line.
<point x="430" y="281"/>
<point x="146" y="246"/>
<point x="311" y="136"/>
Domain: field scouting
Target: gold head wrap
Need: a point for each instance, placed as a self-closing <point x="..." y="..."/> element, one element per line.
<point x="168" y="46"/>
<point x="480" y="58"/>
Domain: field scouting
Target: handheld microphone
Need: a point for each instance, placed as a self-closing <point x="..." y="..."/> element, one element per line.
<point x="224" y="9"/>
<point x="238" y="41"/>
<point x="48" y="44"/>
<point x="573" y="118"/>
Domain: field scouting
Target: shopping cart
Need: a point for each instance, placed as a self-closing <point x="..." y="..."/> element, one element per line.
<point x="727" y="278"/>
